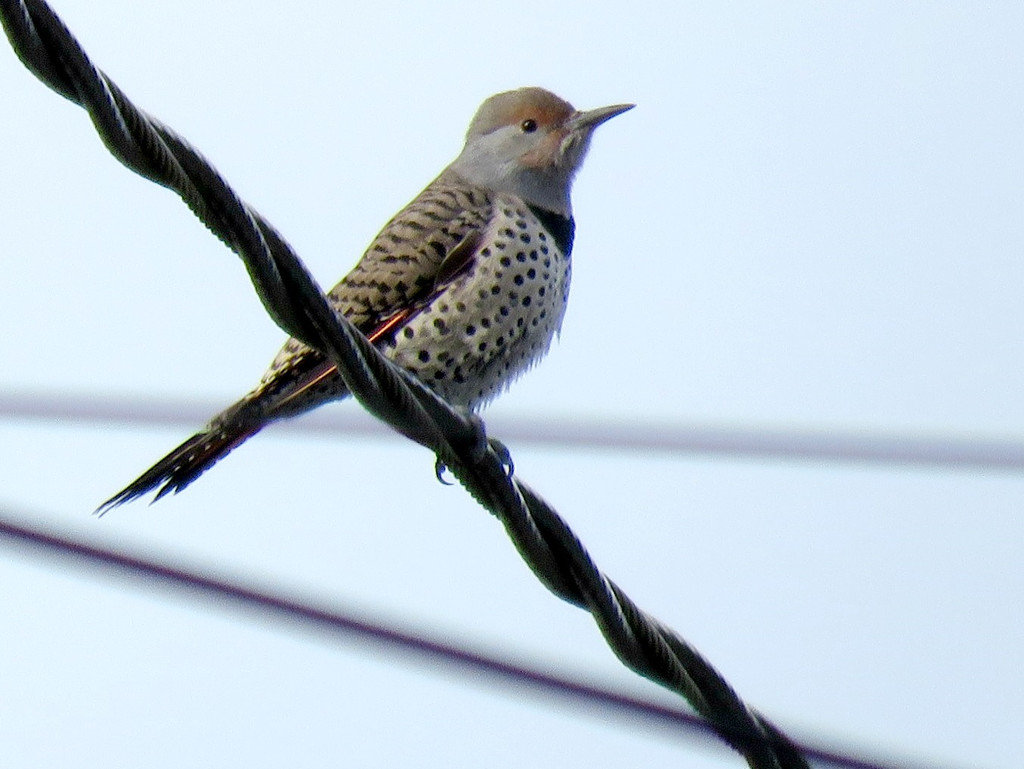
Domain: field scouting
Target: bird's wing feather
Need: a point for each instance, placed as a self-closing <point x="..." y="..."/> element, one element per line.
<point x="403" y="263"/>
<point x="426" y="245"/>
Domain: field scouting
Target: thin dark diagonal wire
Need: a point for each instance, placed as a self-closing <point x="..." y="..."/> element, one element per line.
<point x="339" y="624"/>
<point x="693" y="439"/>
<point x="297" y="304"/>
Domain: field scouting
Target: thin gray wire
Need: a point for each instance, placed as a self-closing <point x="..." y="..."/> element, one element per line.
<point x="561" y="432"/>
<point x="339" y="623"/>
<point x="457" y="438"/>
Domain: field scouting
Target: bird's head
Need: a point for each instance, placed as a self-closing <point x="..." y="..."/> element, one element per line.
<point x="530" y="143"/>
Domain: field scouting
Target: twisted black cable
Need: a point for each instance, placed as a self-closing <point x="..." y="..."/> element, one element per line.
<point x="457" y="438"/>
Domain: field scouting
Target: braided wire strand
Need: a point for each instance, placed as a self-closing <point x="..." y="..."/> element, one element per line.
<point x="458" y="439"/>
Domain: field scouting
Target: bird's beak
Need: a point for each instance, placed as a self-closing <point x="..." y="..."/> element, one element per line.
<point x="594" y="117"/>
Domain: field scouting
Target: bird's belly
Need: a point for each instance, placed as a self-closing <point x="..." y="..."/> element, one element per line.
<point x="492" y="322"/>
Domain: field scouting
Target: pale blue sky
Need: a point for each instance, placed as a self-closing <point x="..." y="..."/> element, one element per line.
<point x="812" y="219"/>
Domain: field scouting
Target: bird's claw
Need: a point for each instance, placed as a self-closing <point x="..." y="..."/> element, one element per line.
<point x="440" y="468"/>
<point x="482" y="444"/>
<point x="504" y="456"/>
<point x="479" y="445"/>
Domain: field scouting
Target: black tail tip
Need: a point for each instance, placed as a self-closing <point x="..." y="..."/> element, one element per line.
<point x="142" y="487"/>
<point x="181" y="467"/>
<point x="121" y="498"/>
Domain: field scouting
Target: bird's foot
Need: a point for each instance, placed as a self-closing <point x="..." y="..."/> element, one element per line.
<point x="478" y="445"/>
<point x="504" y="456"/>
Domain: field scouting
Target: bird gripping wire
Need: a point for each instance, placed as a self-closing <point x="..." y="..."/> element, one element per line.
<point x="297" y="305"/>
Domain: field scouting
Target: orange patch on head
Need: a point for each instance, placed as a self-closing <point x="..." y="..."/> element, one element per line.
<point x="545" y="113"/>
<point x="513" y="107"/>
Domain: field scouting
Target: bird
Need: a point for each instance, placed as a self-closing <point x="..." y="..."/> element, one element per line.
<point x="465" y="287"/>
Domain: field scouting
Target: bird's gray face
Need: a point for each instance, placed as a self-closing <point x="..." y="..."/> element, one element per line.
<point x="530" y="143"/>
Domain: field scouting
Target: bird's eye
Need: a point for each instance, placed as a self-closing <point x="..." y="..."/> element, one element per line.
<point x="529" y="126"/>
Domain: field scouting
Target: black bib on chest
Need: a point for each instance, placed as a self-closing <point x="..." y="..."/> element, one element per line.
<point x="562" y="228"/>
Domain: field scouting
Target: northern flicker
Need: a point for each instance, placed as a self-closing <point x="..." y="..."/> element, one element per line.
<point x="465" y="287"/>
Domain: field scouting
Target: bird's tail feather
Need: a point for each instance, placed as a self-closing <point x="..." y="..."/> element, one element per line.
<point x="193" y="457"/>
